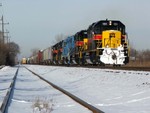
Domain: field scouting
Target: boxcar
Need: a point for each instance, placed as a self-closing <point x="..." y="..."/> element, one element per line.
<point x="23" y="61"/>
<point x="47" y="56"/>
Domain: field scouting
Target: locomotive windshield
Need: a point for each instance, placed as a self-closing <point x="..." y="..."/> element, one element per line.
<point x="108" y="25"/>
<point x="81" y="35"/>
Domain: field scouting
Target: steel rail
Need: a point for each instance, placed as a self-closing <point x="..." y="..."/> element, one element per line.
<point x="7" y="98"/>
<point x="2" y="66"/>
<point x="129" y="68"/>
<point x="75" y="98"/>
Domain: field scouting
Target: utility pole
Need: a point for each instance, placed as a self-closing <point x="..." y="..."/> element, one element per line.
<point x="0" y="32"/>
<point x="3" y="29"/>
<point x="3" y="32"/>
<point x="7" y="37"/>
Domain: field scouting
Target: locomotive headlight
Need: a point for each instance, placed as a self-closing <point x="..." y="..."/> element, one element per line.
<point x="112" y="35"/>
<point x="110" y="23"/>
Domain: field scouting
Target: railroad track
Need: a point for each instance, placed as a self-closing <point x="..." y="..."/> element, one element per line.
<point x="7" y="98"/>
<point x="122" y="68"/>
<point x="131" y="68"/>
<point x="2" y="66"/>
<point x="75" y="98"/>
<point x="84" y="104"/>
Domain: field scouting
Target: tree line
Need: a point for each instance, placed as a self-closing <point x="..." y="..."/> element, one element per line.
<point x="8" y="53"/>
<point x="140" y="57"/>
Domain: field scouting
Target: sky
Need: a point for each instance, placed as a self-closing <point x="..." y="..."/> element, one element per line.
<point x="37" y="23"/>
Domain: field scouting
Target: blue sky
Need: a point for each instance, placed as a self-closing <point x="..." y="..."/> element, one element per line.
<point x="36" y="23"/>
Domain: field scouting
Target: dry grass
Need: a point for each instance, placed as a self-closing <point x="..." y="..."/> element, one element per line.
<point x="139" y="63"/>
<point x="42" y="105"/>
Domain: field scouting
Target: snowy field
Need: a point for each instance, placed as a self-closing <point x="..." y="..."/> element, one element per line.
<point x="112" y="91"/>
<point x="32" y="95"/>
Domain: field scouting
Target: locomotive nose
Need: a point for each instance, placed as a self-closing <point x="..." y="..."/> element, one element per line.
<point x="111" y="35"/>
<point x="111" y="38"/>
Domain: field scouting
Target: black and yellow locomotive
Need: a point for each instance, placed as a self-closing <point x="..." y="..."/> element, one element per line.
<point x="106" y="43"/>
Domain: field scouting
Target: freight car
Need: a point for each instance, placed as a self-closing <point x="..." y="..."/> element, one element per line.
<point x="104" y="42"/>
<point x="36" y="58"/>
<point x="47" y="56"/>
<point x="24" y="61"/>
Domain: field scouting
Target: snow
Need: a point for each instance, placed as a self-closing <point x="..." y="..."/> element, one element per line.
<point x="113" y="56"/>
<point x="112" y="91"/>
<point x="31" y="94"/>
<point x="6" y="76"/>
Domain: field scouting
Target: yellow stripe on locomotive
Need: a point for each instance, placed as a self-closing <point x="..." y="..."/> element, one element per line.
<point x="85" y="40"/>
<point x="111" y="38"/>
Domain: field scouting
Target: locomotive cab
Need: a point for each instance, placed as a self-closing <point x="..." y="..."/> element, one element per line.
<point x="114" y="43"/>
<point x="80" y="46"/>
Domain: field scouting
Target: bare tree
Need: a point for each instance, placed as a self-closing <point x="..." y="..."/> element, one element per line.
<point x="133" y="53"/>
<point x="12" y="49"/>
<point x="34" y="51"/>
<point x="59" y="38"/>
<point x="3" y="51"/>
<point x="139" y="57"/>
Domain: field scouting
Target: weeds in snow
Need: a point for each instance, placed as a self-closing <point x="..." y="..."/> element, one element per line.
<point x="42" y="105"/>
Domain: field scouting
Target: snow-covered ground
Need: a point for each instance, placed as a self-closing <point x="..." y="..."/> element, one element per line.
<point x="32" y="94"/>
<point x="112" y="91"/>
<point x="6" y="76"/>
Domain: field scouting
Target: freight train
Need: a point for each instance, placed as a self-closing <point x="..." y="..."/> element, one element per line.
<point x="23" y="61"/>
<point x="104" y="43"/>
